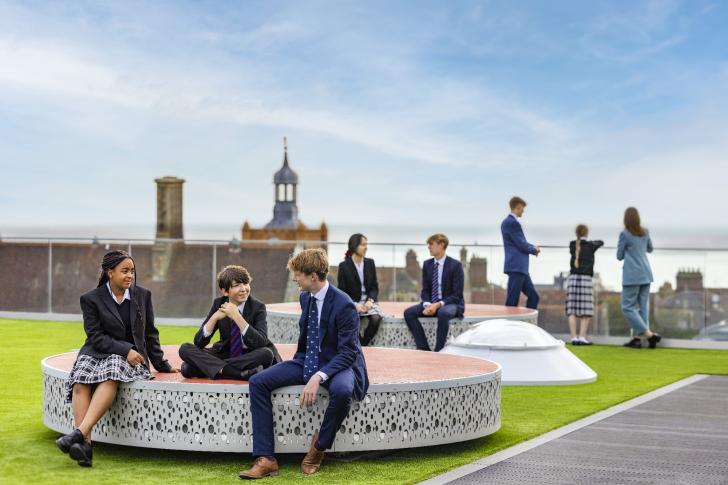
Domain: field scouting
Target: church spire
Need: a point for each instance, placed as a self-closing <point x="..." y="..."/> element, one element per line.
<point x="285" y="180"/>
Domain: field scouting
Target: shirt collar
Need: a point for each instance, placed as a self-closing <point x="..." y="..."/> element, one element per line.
<point x="321" y="294"/>
<point x="442" y="260"/>
<point x="126" y="294"/>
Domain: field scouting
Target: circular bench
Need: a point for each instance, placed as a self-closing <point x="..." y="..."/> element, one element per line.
<point x="414" y="399"/>
<point x="393" y="332"/>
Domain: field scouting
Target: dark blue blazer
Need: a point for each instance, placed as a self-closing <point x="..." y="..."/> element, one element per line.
<point x="515" y="245"/>
<point x="340" y="347"/>
<point x="453" y="280"/>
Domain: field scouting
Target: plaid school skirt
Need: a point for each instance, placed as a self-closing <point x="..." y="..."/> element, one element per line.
<point x="90" y="370"/>
<point x="579" y="295"/>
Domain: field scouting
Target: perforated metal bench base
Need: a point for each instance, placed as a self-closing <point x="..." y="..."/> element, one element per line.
<point x="393" y="332"/>
<point x="415" y="399"/>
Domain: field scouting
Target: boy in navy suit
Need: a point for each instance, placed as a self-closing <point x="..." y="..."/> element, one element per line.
<point x="517" y="250"/>
<point x="328" y="355"/>
<point x="243" y="348"/>
<point x="442" y="294"/>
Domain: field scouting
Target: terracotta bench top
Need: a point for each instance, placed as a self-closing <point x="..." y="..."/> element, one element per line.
<point x="385" y="365"/>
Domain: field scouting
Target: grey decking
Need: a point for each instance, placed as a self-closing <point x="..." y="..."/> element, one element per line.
<point x="678" y="438"/>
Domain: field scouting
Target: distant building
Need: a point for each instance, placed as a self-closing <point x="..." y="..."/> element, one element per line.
<point x="180" y="275"/>
<point x="285" y="225"/>
<point x="689" y="280"/>
<point x="691" y="306"/>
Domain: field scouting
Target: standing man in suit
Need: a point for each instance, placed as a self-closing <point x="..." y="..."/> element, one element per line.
<point x="243" y="348"/>
<point x="328" y="355"/>
<point x="517" y="250"/>
<point x="442" y="294"/>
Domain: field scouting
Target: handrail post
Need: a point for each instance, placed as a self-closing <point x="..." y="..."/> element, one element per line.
<point x="50" y="276"/>
<point x="214" y="267"/>
<point x="394" y="271"/>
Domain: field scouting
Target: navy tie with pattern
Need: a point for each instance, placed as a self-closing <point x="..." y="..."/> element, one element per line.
<point x="435" y="284"/>
<point x="236" y="342"/>
<point x="311" y="364"/>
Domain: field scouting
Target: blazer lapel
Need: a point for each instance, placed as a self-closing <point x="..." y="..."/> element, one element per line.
<point x="326" y="312"/>
<point x="110" y="304"/>
<point x="352" y="266"/>
<point x="134" y="312"/>
<point x="305" y="302"/>
<point x="445" y="270"/>
<point x="248" y="310"/>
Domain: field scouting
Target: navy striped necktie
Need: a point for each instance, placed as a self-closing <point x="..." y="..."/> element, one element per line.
<point x="435" y="283"/>
<point x="236" y="342"/>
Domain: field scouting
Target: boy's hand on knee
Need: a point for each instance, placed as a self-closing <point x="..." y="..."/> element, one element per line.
<point x="310" y="391"/>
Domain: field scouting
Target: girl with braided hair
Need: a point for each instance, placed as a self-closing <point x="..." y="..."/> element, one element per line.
<point x="579" y="289"/>
<point x="121" y="341"/>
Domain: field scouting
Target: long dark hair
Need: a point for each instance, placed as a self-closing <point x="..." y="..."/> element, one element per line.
<point x="354" y="242"/>
<point x="632" y="222"/>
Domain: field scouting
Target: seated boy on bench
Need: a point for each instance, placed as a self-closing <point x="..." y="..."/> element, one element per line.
<point x="243" y="348"/>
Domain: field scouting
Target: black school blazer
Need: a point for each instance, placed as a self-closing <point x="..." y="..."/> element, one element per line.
<point x="106" y="333"/>
<point x="254" y="313"/>
<point x="348" y="279"/>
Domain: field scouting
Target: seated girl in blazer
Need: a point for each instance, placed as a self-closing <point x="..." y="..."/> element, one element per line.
<point x="357" y="278"/>
<point x="121" y="342"/>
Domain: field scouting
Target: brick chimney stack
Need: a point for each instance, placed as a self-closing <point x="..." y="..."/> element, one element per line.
<point x="169" y="208"/>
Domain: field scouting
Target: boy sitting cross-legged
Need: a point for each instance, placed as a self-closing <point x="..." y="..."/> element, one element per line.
<point x="243" y="348"/>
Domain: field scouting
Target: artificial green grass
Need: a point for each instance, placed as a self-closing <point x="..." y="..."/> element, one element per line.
<point x="29" y="455"/>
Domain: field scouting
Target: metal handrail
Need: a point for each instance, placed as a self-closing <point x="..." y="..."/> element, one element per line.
<point x="100" y="240"/>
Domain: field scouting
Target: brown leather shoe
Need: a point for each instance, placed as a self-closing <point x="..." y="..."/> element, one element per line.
<point x="313" y="459"/>
<point x="262" y="467"/>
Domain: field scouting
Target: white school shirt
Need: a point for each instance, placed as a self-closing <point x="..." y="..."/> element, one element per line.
<point x="126" y="294"/>
<point x="360" y="270"/>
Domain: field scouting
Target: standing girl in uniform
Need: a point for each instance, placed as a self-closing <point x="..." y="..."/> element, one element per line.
<point x="579" y="287"/>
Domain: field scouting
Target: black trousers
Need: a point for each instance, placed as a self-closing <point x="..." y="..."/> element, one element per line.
<point x="205" y="362"/>
<point x="371" y="330"/>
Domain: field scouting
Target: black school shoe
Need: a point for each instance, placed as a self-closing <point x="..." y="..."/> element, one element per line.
<point x="635" y="343"/>
<point x="65" y="442"/>
<point x="82" y="453"/>
<point x="653" y="340"/>
<point x="186" y="371"/>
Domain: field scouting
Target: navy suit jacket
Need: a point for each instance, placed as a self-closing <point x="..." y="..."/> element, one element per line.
<point x="515" y="245"/>
<point x="453" y="280"/>
<point x="339" y="333"/>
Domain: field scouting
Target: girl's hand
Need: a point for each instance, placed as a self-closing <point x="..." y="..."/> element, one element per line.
<point x="134" y="357"/>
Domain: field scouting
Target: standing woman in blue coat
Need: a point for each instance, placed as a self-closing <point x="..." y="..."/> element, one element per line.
<point x="121" y="343"/>
<point x="634" y="244"/>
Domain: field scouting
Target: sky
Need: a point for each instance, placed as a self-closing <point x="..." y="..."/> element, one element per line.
<point x="424" y="113"/>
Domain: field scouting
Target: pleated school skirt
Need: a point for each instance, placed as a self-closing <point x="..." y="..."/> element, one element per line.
<point x="90" y="370"/>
